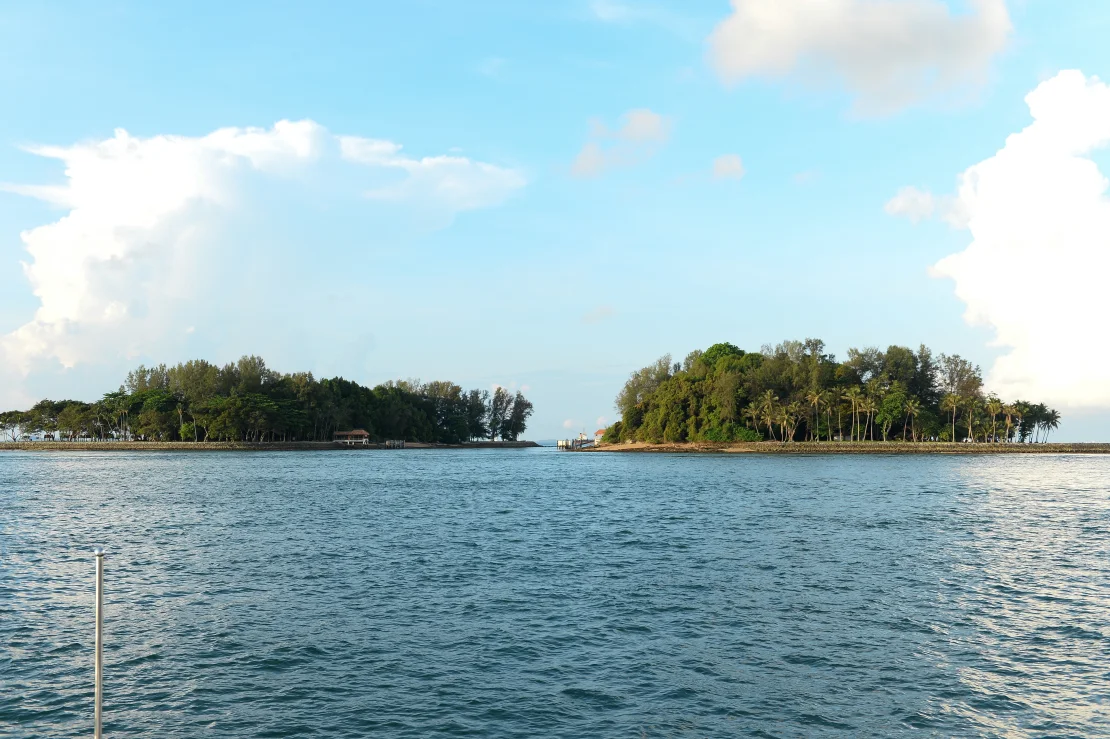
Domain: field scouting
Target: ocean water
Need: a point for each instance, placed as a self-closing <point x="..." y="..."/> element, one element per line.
<point x="536" y="594"/>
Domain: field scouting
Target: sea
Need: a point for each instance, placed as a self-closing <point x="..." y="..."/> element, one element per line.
<point x="534" y="593"/>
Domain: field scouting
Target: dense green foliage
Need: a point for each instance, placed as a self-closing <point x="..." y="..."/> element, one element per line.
<point x="246" y="401"/>
<point x="795" y="391"/>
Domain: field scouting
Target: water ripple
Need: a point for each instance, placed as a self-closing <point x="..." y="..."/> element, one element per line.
<point x="531" y="593"/>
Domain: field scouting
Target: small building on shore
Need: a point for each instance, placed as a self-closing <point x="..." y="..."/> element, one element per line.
<point x="352" y="438"/>
<point x="598" y="435"/>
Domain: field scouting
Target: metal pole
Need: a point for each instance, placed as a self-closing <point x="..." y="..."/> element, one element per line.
<point x="99" y="640"/>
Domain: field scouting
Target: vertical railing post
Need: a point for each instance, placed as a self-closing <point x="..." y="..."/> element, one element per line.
<point x="98" y="670"/>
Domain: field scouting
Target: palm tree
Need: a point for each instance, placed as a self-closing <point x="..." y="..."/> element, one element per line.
<point x="829" y="397"/>
<point x="1008" y="411"/>
<point x="767" y="403"/>
<point x="1019" y="414"/>
<point x="752" y="412"/>
<point x="853" y="395"/>
<point x="782" y="415"/>
<point x="837" y="396"/>
<point x="994" y="407"/>
<point x="1040" y="413"/>
<point x="794" y="411"/>
<point x="972" y="406"/>
<point x="868" y="407"/>
<point x="913" y="407"/>
<point x="951" y="402"/>
<point x="814" y="398"/>
<point x="1051" y="421"/>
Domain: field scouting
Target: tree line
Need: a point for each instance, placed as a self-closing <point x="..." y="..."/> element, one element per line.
<point x="796" y="391"/>
<point x="246" y="401"/>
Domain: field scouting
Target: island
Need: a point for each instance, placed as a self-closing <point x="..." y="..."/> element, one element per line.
<point x="246" y="405"/>
<point x="796" y="397"/>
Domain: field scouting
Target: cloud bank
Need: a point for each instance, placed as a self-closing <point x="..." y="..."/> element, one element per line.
<point x="137" y="249"/>
<point x="638" y="137"/>
<point x="1036" y="268"/>
<point x="888" y="54"/>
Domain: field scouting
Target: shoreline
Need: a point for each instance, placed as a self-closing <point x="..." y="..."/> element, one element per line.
<point x="240" y="446"/>
<point x="848" y="447"/>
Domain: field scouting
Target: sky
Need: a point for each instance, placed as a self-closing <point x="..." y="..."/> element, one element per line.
<point x="548" y="196"/>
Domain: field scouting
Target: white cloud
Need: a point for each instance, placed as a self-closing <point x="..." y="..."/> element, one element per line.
<point x="570" y="423"/>
<point x="911" y="203"/>
<point x="917" y="205"/>
<point x="643" y="126"/>
<point x="638" y="137"/>
<point x="1036" y="268"/>
<point x="887" y="53"/>
<point x="728" y="167"/>
<point x="590" y="162"/>
<point x="131" y="260"/>
<point x="628" y="13"/>
<point x="456" y="183"/>
<point x="602" y="422"/>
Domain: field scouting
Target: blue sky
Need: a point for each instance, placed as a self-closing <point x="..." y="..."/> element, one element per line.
<point x="553" y="220"/>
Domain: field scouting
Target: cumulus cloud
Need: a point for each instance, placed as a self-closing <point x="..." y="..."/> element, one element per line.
<point x="917" y="205"/>
<point x="639" y="135"/>
<point x="887" y="53"/>
<point x="134" y="255"/>
<point x="1035" y="270"/>
<point x="728" y="167"/>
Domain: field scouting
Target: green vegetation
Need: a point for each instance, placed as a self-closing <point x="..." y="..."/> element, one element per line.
<point x="795" y="391"/>
<point x="245" y="401"/>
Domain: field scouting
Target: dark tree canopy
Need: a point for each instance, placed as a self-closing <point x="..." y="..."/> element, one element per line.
<point x="797" y="391"/>
<point x="247" y="401"/>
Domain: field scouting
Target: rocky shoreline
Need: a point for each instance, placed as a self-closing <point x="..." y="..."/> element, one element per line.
<point x="847" y="447"/>
<point x="236" y="446"/>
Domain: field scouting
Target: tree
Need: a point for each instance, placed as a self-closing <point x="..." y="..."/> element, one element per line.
<point x="891" y="408"/>
<point x="500" y="405"/>
<point x="247" y="401"/>
<point x="1051" y="422"/>
<point x="753" y="413"/>
<point x="718" y="351"/>
<point x="814" y="398"/>
<point x="972" y="406"/>
<point x="868" y="407"/>
<point x="994" y="407"/>
<point x="768" y="405"/>
<point x="477" y="403"/>
<point x="854" y="395"/>
<point x="11" y="424"/>
<point x="959" y="377"/>
<point x="516" y="420"/>
<point x="726" y="387"/>
<point x="640" y="385"/>
<point x="951" y="402"/>
<point x="913" y="409"/>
